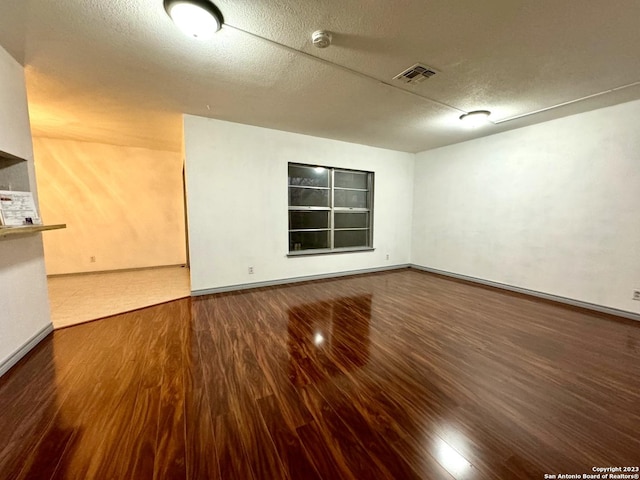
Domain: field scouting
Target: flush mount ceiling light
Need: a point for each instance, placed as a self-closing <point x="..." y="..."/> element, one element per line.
<point x="476" y="118"/>
<point x="197" y="18"/>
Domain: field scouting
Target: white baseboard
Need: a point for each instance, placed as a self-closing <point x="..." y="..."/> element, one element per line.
<point x="15" y="357"/>
<point x="117" y="270"/>
<point x="533" y="293"/>
<point x="503" y="286"/>
<point x="284" y="281"/>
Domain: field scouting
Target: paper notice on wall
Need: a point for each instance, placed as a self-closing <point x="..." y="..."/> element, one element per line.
<point x="18" y="209"/>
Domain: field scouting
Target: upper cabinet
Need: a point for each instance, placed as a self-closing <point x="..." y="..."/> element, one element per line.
<point x="15" y="131"/>
<point x="16" y="150"/>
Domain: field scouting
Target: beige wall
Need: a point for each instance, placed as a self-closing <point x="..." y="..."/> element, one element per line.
<point x="122" y="205"/>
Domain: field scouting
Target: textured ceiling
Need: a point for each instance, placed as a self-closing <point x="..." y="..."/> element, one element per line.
<point x="119" y="71"/>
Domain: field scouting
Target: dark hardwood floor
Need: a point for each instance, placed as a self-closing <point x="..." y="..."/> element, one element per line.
<point x="400" y="375"/>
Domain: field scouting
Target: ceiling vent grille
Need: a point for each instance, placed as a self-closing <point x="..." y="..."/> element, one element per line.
<point x="415" y="74"/>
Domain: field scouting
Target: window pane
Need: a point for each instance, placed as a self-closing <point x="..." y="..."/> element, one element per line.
<point x="351" y="179"/>
<point x="313" y="219"/>
<point x="308" y="197"/>
<point x="350" y="198"/>
<point x="351" y="220"/>
<point x="308" y="240"/>
<point x="308" y="176"/>
<point x="351" y="238"/>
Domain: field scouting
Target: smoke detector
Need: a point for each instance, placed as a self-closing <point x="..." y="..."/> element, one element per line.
<point x="415" y="74"/>
<point x="321" y="38"/>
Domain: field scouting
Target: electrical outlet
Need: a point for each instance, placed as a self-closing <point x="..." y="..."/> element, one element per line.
<point x="92" y="259"/>
<point x="636" y="295"/>
<point x="387" y="256"/>
<point x="250" y="270"/>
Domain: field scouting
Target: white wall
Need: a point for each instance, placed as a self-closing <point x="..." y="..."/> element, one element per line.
<point x="551" y="207"/>
<point x="237" y="203"/>
<point x="24" y="304"/>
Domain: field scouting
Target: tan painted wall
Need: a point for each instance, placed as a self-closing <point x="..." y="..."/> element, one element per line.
<point x="122" y="205"/>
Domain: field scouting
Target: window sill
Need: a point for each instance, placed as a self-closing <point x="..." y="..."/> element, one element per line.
<point x="306" y="253"/>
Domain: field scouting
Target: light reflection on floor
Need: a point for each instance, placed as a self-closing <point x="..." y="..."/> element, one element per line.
<point x="452" y="461"/>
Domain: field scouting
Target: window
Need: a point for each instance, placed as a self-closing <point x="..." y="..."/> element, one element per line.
<point x="330" y="209"/>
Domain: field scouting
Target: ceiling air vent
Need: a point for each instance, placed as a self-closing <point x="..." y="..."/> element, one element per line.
<point x="415" y="74"/>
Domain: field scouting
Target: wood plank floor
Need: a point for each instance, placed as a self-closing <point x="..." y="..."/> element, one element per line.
<point x="402" y="375"/>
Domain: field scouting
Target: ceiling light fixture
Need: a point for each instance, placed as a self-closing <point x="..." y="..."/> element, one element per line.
<point x="476" y="118"/>
<point x="197" y="18"/>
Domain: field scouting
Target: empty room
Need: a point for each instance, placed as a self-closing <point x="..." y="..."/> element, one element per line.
<point x="406" y="236"/>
